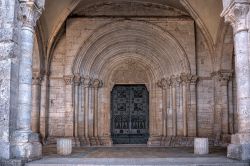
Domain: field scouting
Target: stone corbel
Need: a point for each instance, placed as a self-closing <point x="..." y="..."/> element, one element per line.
<point x="236" y="15"/>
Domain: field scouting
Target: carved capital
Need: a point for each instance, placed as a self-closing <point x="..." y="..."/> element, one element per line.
<point x="77" y="80"/>
<point x="175" y="80"/>
<point x="86" y="82"/>
<point x="236" y="15"/>
<point x="163" y="83"/>
<point x="97" y="83"/>
<point x="36" y="79"/>
<point x="68" y="79"/>
<point x="29" y="13"/>
<point x="222" y="76"/>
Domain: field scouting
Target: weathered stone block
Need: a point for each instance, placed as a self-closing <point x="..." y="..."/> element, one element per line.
<point x="64" y="146"/>
<point x="238" y="151"/>
<point x="201" y="146"/>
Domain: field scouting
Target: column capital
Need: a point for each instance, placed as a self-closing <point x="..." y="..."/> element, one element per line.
<point x="175" y="80"/>
<point x="189" y="78"/>
<point x="163" y="83"/>
<point x="30" y="12"/>
<point x="96" y="83"/>
<point x="86" y="81"/>
<point x="236" y="15"/>
<point x="68" y="79"/>
<point x="36" y="79"/>
<point x="77" y="80"/>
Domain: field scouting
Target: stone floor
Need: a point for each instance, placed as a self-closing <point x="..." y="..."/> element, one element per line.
<point x="139" y="155"/>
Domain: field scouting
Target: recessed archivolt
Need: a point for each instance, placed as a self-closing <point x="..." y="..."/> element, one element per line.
<point x="133" y="36"/>
<point x="128" y="63"/>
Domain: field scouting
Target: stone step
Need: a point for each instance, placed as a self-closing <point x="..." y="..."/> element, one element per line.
<point x="198" y="161"/>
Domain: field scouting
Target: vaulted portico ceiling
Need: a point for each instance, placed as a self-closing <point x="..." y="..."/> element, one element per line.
<point x="57" y="11"/>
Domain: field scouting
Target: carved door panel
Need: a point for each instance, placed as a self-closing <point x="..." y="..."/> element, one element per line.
<point x="129" y="123"/>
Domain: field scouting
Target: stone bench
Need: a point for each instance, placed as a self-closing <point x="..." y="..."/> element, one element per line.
<point x="64" y="146"/>
<point x="201" y="146"/>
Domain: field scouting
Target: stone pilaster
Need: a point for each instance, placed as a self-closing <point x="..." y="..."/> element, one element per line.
<point x="69" y="115"/>
<point x="25" y="143"/>
<point x="221" y="127"/>
<point x="192" y="112"/>
<point x="36" y="96"/>
<point x="237" y="14"/>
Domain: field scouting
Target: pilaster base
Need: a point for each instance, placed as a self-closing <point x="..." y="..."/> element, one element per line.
<point x="26" y="145"/>
<point x="240" y="147"/>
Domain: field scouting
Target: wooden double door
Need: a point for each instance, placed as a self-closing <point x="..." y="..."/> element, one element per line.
<point x="129" y="114"/>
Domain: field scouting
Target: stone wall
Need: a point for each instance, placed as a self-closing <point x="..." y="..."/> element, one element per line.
<point x="66" y="106"/>
<point x="9" y="66"/>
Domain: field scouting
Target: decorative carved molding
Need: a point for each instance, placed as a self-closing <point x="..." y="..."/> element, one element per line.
<point x="68" y="79"/>
<point x="29" y="13"/>
<point x="236" y="15"/>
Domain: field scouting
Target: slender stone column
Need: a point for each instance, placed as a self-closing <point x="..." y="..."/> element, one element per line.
<point x="77" y="82"/>
<point x="25" y="143"/>
<point x="174" y="104"/>
<point x="192" y="113"/>
<point x="86" y="84"/>
<point x="237" y="14"/>
<point x="36" y="96"/>
<point x="163" y="85"/>
<point x="96" y="84"/>
<point x="170" y="108"/>
<point x="186" y="91"/>
<point x="44" y="124"/>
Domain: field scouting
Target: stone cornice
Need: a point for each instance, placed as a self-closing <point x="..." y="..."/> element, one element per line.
<point x="236" y="14"/>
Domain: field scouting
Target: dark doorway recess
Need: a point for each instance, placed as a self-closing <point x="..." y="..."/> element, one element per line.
<point x="129" y="114"/>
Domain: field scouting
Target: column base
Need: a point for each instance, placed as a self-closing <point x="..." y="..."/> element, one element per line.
<point x="240" y="147"/>
<point x="154" y="141"/>
<point x="26" y="145"/>
<point x="105" y="141"/>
